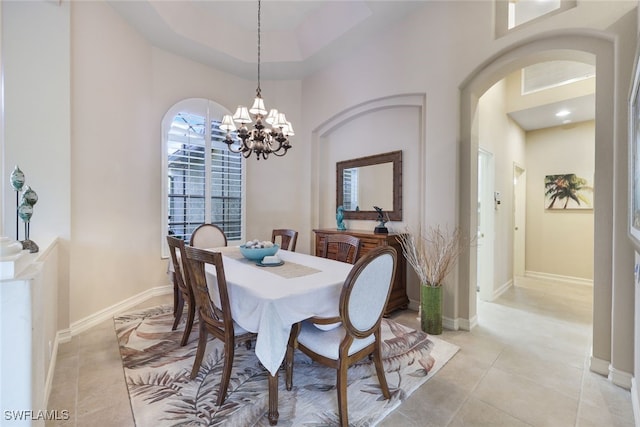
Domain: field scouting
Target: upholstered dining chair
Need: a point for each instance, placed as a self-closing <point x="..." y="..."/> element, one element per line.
<point x="215" y="317"/>
<point x="182" y="281"/>
<point x="207" y="236"/>
<point x="341" y="247"/>
<point x="288" y="238"/>
<point x="362" y="301"/>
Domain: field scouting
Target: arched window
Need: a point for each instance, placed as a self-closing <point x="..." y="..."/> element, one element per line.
<point x="203" y="179"/>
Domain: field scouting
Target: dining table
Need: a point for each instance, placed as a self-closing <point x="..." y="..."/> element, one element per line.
<point x="270" y="299"/>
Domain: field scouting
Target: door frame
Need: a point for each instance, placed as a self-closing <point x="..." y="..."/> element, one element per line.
<point x="519" y="228"/>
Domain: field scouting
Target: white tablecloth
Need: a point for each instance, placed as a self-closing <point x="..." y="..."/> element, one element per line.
<point x="266" y="303"/>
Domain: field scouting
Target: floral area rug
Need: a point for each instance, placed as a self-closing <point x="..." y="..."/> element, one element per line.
<point x="157" y="373"/>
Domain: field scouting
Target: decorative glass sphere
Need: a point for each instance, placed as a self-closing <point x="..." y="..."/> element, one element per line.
<point x="29" y="196"/>
<point x="25" y="211"/>
<point x="17" y="178"/>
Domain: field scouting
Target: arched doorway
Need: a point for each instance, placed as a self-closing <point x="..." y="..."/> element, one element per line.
<point x="572" y="46"/>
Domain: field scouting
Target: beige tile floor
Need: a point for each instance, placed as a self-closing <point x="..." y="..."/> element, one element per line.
<point x="525" y="364"/>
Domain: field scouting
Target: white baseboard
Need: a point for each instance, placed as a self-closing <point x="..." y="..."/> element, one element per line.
<point x="620" y="378"/>
<point x="451" y="324"/>
<point x="468" y="324"/>
<point x="62" y="336"/>
<point x="65" y="335"/>
<point x="52" y="367"/>
<point x="558" y="278"/>
<point x="599" y="366"/>
<point x="502" y="289"/>
<point x="635" y="403"/>
<point x="459" y="323"/>
<point x="107" y="313"/>
<point x="447" y="322"/>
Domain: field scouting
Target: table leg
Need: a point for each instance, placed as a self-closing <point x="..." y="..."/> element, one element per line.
<point x="273" y="399"/>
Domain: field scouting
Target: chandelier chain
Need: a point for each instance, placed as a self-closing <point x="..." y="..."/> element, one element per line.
<point x="260" y="139"/>
<point x="259" y="47"/>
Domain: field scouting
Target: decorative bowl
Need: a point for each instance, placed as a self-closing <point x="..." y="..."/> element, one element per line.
<point x="256" y="254"/>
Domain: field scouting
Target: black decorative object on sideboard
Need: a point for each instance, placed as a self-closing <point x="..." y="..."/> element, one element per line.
<point x="381" y="228"/>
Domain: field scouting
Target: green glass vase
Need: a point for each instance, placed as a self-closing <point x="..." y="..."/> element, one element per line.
<point x="431" y="309"/>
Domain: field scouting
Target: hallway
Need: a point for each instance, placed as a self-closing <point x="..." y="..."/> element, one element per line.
<point x="526" y="363"/>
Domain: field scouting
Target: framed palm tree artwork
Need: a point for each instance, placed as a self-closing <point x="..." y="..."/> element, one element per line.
<point x="567" y="191"/>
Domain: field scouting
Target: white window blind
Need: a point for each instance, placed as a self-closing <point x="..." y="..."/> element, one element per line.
<point x="350" y="189"/>
<point x="521" y="11"/>
<point x="550" y="74"/>
<point x="202" y="188"/>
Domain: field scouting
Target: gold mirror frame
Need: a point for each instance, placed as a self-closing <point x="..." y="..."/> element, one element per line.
<point x="394" y="157"/>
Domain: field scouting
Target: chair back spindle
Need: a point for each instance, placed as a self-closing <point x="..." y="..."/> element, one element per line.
<point x="341" y="247"/>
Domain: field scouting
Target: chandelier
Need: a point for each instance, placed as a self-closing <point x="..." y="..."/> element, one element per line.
<point x="261" y="140"/>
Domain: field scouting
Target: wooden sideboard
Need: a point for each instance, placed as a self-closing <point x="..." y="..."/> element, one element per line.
<point x="369" y="240"/>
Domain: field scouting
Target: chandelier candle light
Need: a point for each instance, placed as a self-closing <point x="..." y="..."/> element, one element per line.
<point x="260" y="140"/>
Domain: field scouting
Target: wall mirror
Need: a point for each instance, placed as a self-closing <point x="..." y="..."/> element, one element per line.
<point x="366" y="182"/>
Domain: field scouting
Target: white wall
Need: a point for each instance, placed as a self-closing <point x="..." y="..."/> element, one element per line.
<point x="36" y="50"/>
<point x="502" y="137"/>
<point x="101" y="189"/>
<point x="428" y="54"/>
<point x="37" y="131"/>
<point x="360" y="136"/>
<point x="415" y="57"/>
<point x="115" y="251"/>
<point x="122" y="88"/>
<point x="559" y="242"/>
<point x="28" y="327"/>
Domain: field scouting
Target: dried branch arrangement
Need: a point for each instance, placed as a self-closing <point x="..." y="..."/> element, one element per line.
<point x="434" y="254"/>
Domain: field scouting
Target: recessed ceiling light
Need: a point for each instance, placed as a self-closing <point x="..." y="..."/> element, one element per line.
<point x="564" y="122"/>
<point x="563" y="113"/>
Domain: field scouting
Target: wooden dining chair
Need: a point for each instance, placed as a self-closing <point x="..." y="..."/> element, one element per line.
<point x="207" y="236"/>
<point x="341" y="247"/>
<point x="182" y="282"/>
<point x="362" y="301"/>
<point x="215" y="316"/>
<point x="288" y="238"/>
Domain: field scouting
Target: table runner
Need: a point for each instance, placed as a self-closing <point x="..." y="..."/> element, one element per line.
<point x="288" y="270"/>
